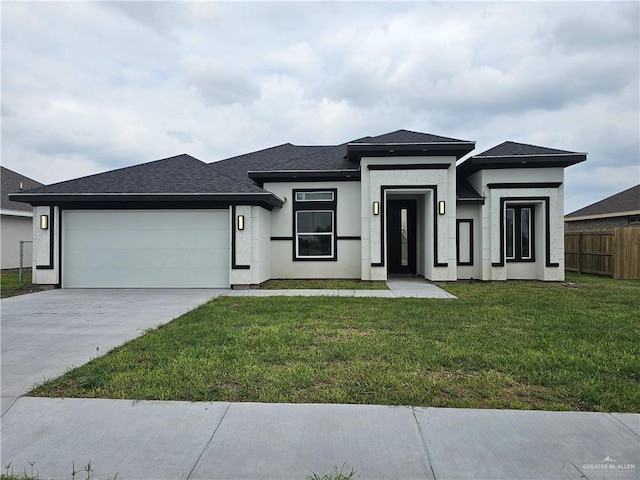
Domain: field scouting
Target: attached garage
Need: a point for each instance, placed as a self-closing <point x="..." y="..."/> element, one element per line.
<point x="145" y="248"/>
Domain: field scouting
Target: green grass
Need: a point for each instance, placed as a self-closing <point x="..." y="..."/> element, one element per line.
<point x="321" y="284"/>
<point x="522" y="345"/>
<point x="10" y="285"/>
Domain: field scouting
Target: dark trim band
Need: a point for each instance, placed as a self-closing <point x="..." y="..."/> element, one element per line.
<point x="525" y="185"/>
<point x="547" y="223"/>
<point x="349" y="238"/>
<point x="234" y="265"/>
<point x="52" y="224"/>
<point x="470" y="222"/>
<point x="410" y="166"/>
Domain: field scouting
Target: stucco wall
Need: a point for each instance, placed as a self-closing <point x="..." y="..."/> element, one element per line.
<point x="261" y="263"/>
<point x="471" y="212"/>
<point x="252" y="246"/>
<point x="347" y="265"/>
<point x="412" y="182"/>
<point x="14" y="229"/>
<point x="490" y="222"/>
<point x="46" y="248"/>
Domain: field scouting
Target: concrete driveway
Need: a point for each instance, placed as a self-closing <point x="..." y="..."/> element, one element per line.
<point x="46" y="333"/>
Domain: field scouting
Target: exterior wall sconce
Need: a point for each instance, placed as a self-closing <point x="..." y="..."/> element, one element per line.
<point x="376" y="208"/>
<point x="240" y="222"/>
<point x="44" y="222"/>
<point x="441" y="207"/>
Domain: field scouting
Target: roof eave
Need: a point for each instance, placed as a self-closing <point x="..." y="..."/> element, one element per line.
<point x="70" y="198"/>
<point x="355" y="151"/>
<point x="577" y="218"/>
<point x="477" y="163"/>
<point x="299" y="175"/>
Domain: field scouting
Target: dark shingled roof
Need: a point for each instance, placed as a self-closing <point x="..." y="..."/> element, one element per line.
<point x="11" y="184"/>
<point x="519" y="155"/>
<point x="179" y="174"/>
<point x="510" y="149"/>
<point x="406" y="137"/>
<point x="466" y="193"/>
<point x="627" y="201"/>
<point x="286" y="157"/>
<point x="182" y="175"/>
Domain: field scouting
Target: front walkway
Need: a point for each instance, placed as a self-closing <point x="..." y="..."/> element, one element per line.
<point x="400" y="287"/>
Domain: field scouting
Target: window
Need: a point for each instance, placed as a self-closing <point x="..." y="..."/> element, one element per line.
<point x="519" y="233"/>
<point x="314" y="196"/>
<point x="314" y="225"/>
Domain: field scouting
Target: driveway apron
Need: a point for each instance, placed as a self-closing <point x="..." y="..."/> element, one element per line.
<point x="45" y="334"/>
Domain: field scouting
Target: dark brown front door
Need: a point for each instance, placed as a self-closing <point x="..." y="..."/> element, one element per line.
<point x="401" y="236"/>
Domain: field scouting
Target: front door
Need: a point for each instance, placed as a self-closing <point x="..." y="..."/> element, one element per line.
<point x="401" y="236"/>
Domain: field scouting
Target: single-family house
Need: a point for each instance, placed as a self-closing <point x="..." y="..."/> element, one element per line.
<point x="619" y="210"/>
<point x="16" y="218"/>
<point x="377" y="206"/>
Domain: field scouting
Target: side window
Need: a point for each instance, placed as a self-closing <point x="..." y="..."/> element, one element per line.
<point x="519" y="233"/>
<point x="314" y="215"/>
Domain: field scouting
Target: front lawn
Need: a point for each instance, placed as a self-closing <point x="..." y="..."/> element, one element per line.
<point x="524" y="345"/>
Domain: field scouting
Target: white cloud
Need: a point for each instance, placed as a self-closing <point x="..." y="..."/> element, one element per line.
<point x="91" y="86"/>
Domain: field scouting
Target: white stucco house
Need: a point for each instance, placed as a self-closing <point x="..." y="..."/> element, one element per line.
<point x="392" y="204"/>
<point x="16" y="218"/>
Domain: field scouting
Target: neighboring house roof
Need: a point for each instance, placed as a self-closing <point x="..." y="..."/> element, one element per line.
<point x="618" y="205"/>
<point x="520" y="155"/>
<point x="13" y="182"/>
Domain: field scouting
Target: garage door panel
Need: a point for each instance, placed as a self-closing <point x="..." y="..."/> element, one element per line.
<point x="139" y="239"/>
<point x="157" y="278"/>
<point x="146" y="248"/>
<point x="149" y="259"/>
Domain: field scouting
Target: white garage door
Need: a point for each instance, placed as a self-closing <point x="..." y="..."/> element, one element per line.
<point x="145" y="248"/>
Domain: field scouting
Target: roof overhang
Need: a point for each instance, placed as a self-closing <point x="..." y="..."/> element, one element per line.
<point x="69" y="200"/>
<point x="477" y="163"/>
<point x="355" y="151"/>
<point x="16" y="213"/>
<point x="304" y="176"/>
<point x="601" y="215"/>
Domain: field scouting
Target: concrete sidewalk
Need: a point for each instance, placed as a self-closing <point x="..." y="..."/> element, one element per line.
<point x="180" y="440"/>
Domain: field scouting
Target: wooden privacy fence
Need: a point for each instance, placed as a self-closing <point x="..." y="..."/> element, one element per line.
<point x="615" y="252"/>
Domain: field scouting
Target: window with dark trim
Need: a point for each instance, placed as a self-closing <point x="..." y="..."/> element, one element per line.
<point x="519" y="230"/>
<point x="314" y="224"/>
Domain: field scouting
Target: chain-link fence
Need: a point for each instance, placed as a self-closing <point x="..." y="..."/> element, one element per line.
<point x="26" y="258"/>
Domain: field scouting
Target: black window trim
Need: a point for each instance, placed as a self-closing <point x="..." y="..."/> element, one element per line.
<point x="517" y="246"/>
<point x="315" y="205"/>
<point x="470" y="222"/>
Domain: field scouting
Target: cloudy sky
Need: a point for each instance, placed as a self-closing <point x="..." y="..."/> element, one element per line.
<point x="88" y="87"/>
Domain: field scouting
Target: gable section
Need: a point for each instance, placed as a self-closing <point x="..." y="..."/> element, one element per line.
<point x="510" y="149"/>
<point x="509" y="155"/>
